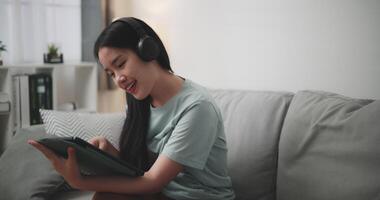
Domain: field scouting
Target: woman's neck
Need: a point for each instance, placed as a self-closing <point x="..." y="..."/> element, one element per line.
<point x="166" y="87"/>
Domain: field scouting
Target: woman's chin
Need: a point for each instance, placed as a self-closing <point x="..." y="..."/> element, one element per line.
<point x="139" y="96"/>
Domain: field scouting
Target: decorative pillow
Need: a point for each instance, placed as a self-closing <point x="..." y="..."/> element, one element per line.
<point x="84" y="125"/>
<point x="25" y="173"/>
<point x="329" y="148"/>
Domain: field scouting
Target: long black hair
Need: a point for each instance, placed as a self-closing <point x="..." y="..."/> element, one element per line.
<point x="132" y="142"/>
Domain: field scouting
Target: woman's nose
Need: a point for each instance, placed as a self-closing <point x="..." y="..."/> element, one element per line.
<point x="121" y="79"/>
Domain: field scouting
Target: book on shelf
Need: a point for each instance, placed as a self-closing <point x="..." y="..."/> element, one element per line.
<point x="40" y="90"/>
<point x="31" y="92"/>
<point x="5" y="104"/>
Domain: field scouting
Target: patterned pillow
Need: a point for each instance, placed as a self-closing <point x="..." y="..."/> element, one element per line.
<point x="83" y="125"/>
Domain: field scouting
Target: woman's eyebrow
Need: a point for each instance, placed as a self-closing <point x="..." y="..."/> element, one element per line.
<point x="115" y="60"/>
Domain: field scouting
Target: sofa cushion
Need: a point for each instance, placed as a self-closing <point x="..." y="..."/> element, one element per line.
<point x="329" y="148"/>
<point x="24" y="172"/>
<point x="74" y="195"/>
<point x="253" y="123"/>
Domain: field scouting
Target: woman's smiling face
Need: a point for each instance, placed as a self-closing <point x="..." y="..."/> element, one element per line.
<point x="128" y="71"/>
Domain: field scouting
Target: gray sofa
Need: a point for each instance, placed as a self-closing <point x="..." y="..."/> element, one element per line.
<point x="310" y="145"/>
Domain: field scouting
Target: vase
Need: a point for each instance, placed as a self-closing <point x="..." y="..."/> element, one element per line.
<point x="48" y="58"/>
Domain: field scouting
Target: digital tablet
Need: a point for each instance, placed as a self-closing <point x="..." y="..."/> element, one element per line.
<point x="91" y="160"/>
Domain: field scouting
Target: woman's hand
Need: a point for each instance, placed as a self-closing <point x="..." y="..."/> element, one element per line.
<point x="68" y="168"/>
<point x="102" y="143"/>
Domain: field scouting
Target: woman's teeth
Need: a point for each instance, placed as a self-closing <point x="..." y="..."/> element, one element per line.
<point x="131" y="85"/>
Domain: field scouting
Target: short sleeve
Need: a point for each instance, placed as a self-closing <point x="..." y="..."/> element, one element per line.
<point x="193" y="136"/>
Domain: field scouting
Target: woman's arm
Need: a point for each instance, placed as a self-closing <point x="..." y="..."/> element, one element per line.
<point x="159" y="175"/>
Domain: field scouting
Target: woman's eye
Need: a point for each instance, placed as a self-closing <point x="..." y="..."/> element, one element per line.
<point x="121" y="64"/>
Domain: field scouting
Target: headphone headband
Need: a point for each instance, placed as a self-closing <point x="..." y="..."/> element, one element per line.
<point x="135" y="25"/>
<point x="147" y="47"/>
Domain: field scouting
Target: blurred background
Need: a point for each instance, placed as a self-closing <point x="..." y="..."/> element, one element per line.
<point x="287" y="45"/>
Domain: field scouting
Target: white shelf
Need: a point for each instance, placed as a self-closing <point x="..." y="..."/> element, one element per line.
<point x="72" y="82"/>
<point x="48" y="65"/>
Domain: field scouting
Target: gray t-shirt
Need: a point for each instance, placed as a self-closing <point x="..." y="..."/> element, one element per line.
<point x="189" y="130"/>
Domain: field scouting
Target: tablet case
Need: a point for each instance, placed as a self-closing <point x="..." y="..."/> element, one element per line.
<point x="91" y="160"/>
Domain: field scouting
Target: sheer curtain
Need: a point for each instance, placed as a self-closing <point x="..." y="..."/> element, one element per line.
<point x="28" y="26"/>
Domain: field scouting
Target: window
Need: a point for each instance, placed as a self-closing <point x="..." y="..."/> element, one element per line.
<point x="27" y="26"/>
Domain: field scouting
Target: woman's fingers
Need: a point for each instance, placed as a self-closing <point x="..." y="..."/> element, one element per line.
<point x="94" y="141"/>
<point x="54" y="159"/>
<point x="72" y="159"/>
<point x="102" y="145"/>
<point x="71" y="162"/>
<point x="68" y="168"/>
<point x="47" y="152"/>
<point x="99" y="142"/>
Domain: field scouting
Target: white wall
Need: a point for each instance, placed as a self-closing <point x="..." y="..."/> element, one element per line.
<point x="331" y="45"/>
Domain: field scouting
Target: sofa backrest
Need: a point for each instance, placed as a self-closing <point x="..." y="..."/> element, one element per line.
<point x="253" y="121"/>
<point x="329" y="148"/>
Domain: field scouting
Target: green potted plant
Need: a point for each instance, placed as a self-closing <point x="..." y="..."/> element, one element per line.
<point x="2" y="48"/>
<point x="53" y="55"/>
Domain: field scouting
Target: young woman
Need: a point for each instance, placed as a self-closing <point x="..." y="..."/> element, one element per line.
<point x="173" y="130"/>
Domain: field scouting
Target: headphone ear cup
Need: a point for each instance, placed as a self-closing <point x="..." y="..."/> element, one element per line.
<point x="148" y="48"/>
